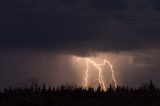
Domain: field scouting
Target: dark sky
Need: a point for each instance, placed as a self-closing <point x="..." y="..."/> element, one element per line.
<point x="37" y="36"/>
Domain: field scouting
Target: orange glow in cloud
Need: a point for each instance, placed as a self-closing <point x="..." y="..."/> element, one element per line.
<point x="89" y="62"/>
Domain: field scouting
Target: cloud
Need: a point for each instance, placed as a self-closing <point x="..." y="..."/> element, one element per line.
<point x="34" y="34"/>
<point x="80" y="26"/>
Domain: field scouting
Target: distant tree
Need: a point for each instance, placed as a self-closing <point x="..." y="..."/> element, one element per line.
<point x="152" y="86"/>
<point x="110" y="89"/>
<point x="49" y="89"/>
<point x="99" y="88"/>
<point x="44" y="88"/>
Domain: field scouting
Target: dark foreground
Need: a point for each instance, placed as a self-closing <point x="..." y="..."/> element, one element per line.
<point x="146" y="95"/>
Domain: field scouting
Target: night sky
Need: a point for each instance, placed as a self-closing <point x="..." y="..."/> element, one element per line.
<point x="39" y="37"/>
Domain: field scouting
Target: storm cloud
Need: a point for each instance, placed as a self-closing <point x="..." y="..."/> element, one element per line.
<point x="39" y="37"/>
<point x="80" y="25"/>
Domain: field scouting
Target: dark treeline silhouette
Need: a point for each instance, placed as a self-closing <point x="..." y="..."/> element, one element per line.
<point x="146" y="95"/>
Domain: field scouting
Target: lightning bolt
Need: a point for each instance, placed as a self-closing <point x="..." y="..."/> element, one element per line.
<point x="89" y="62"/>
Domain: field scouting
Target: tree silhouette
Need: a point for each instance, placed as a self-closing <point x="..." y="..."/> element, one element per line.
<point x="35" y="95"/>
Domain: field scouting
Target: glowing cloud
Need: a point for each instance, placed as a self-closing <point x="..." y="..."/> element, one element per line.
<point x="98" y="66"/>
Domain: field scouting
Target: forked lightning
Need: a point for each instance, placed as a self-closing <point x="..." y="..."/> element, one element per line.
<point x="89" y="62"/>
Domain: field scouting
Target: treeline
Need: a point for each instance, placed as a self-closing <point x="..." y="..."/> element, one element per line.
<point x="146" y="95"/>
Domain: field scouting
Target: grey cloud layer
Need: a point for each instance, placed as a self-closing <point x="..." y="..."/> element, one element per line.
<point x="80" y="26"/>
